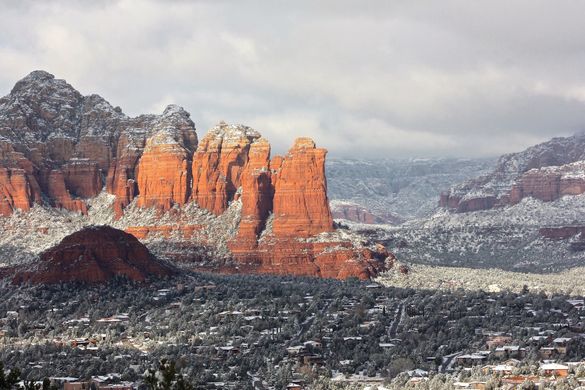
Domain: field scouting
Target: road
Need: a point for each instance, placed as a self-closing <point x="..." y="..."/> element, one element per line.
<point x="398" y="316"/>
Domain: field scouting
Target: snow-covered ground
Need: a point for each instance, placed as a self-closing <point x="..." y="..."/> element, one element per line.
<point x="26" y="234"/>
<point x="506" y="238"/>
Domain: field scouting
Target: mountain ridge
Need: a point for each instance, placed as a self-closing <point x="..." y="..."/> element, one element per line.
<point x="62" y="151"/>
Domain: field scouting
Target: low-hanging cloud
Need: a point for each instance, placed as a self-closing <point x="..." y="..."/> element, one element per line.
<point x="375" y="78"/>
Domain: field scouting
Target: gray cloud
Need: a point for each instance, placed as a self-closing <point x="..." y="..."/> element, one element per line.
<point x="375" y="78"/>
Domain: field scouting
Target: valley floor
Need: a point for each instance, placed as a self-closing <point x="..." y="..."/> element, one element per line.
<point x="571" y="281"/>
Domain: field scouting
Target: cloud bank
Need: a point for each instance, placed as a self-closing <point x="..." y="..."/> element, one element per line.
<point x="364" y="79"/>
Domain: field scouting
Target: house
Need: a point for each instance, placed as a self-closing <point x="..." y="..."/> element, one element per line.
<point x="554" y="369"/>
<point x="504" y="369"/>
<point x="312" y="344"/>
<point x="78" y="386"/>
<point x="117" y="386"/>
<point x="418" y="373"/>
<point x="546" y="352"/>
<point x="534" y="340"/>
<point x="296" y="350"/>
<point x="313" y="360"/>
<point x="469" y="385"/>
<point x="497" y="341"/>
<point x="509" y="351"/>
<point x="470" y="360"/>
<point x="518" y="380"/>
<point x="560" y="344"/>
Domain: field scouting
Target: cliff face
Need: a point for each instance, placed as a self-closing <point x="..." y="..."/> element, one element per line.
<point x="95" y="255"/>
<point x="301" y="208"/>
<point x="164" y="170"/>
<point x="257" y="195"/>
<point x="67" y="144"/>
<point x="546" y="172"/>
<point x="218" y="164"/>
<point x="61" y="149"/>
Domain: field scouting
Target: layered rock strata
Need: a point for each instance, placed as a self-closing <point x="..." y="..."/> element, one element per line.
<point x="546" y="172"/>
<point x="61" y="149"/>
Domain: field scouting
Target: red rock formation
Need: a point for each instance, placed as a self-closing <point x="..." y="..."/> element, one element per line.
<point x="538" y="185"/>
<point x="218" y="164"/>
<point x="18" y="187"/>
<point x="95" y="255"/>
<point x="546" y="172"/>
<point x="83" y="178"/>
<point x="354" y="213"/>
<point x="60" y="196"/>
<point x="164" y="173"/>
<point x="301" y="210"/>
<point x="120" y="180"/>
<point x="550" y="183"/>
<point x="257" y="193"/>
<point x="336" y="259"/>
<point x="15" y="191"/>
<point x="301" y="207"/>
<point x="66" y="142"/>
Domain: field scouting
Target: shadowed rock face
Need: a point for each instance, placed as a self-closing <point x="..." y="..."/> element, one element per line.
<point x="96" y="255"/>
<point x="60" y="149"/>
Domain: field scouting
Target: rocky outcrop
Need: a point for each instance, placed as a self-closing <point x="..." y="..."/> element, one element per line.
<point x="546" y="172"/>
<point x="164" y="170"/>
<point x="83" y="178"/>
<point x="550" y="183"/>
<point x="19" y="188"/>
<point x="61" y="149"/>
<point x="95" y="255"/>
<point x="218" y="164"/>
<point x="16" y="191"/>
<point x="301" y="207"/>
<point x="121" y="174"/>
<point x="59" y="194"/>
<point x="256" y="195"/>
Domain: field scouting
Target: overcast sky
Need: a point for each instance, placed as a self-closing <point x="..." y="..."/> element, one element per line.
<point x="363" y="78"/>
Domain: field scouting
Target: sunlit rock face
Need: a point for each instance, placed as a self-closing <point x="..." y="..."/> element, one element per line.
<point x="62" y="150"/>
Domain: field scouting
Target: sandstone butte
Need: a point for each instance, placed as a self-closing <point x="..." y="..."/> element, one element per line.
<point x="95" y="255"/>
<point x="62" y="148"/>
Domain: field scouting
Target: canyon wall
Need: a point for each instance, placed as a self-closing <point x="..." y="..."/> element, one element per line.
<point x="546" y="172"/>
